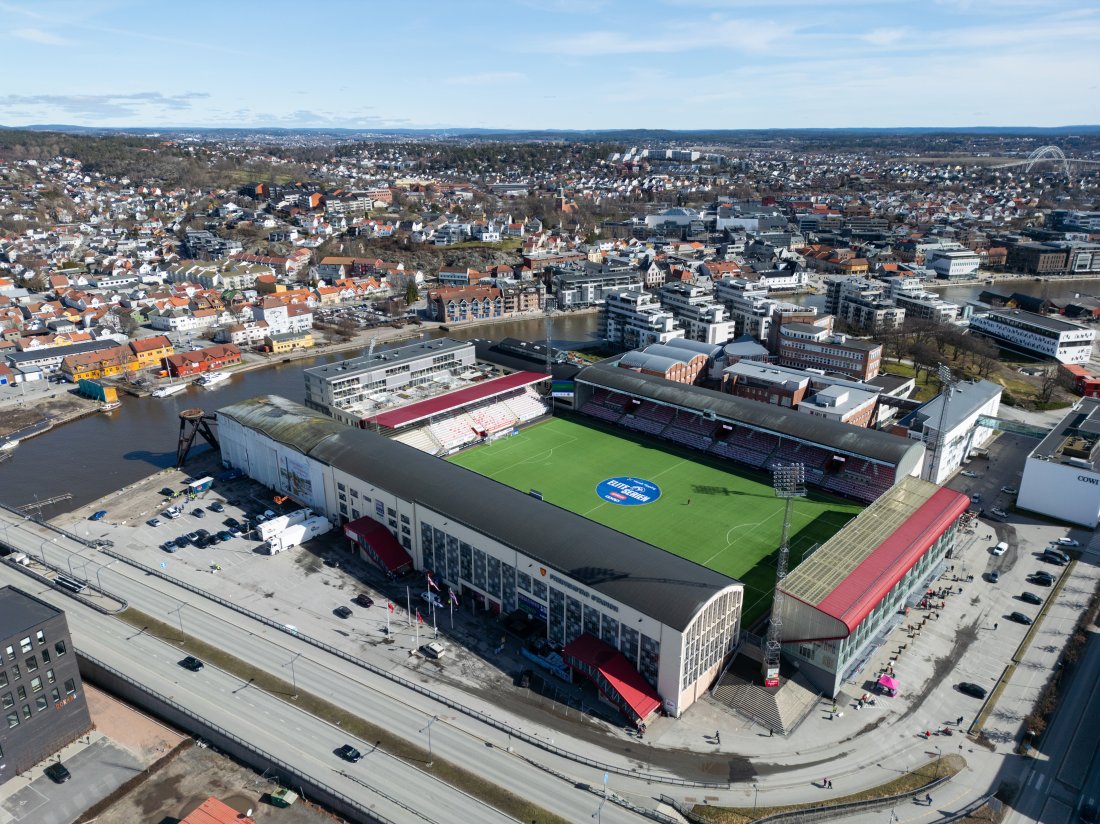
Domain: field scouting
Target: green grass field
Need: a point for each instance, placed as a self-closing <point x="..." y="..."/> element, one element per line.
<point x="728" y="521"/>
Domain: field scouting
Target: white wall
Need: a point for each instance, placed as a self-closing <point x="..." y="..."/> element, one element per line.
<point x="1057" y="490"/>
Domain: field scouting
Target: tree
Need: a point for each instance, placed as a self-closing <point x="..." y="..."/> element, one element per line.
<point x="925" y="357"/>
<point x="1047" y="385"/>
<point x="412" y="293"/>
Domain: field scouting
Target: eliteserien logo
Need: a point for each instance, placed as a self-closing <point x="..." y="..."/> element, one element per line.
<point x="627" y="491"/>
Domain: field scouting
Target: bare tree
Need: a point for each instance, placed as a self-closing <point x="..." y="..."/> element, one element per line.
<point x="1047" y="385"/>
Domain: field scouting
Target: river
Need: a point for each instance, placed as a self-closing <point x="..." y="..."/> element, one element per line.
<point x="95" y="455"/>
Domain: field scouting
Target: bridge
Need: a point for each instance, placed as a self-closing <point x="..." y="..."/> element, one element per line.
<point x="1014" y="427"/>
<point x="1052" y="153"/>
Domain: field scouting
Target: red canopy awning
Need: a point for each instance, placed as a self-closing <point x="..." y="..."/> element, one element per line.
<point x="375" y="539"/>
<point x="888" y="682"/>
<point x="614" y="675"/>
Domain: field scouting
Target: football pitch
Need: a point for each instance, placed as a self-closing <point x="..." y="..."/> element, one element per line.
<point x="729" y="521"/>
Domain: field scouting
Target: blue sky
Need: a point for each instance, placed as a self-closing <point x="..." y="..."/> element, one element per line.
<point x="581" y="64"/>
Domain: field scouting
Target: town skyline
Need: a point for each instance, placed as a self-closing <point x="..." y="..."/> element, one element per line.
<point x="554" y="64"/>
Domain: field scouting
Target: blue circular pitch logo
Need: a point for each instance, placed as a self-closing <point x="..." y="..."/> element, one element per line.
<point x="628" y="491"/>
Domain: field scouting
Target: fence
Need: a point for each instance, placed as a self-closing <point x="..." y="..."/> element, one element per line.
<point x="410" y="685"/>
<point x="98" y="672"/>
<point x="63" y="583"/>
<point x="72" y="536"/>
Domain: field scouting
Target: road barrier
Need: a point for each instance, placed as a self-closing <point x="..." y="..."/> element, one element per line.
<point x="118" y="683"/>
<point x="427" y="693"/>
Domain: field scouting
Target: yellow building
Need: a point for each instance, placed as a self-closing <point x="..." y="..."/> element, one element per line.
<point x="151" y="351"/>
<point x="103" y="364"/>
<point x="288" y="342"/>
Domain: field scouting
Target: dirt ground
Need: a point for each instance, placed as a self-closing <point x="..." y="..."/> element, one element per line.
<point x="144" y="736"/>
<point x="190" y="778"/>
<point x="58" y="406"/>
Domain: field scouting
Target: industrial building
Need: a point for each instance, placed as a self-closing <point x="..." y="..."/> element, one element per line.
<point x="43" y="698"/>
<point x="855" y="586"/>
<point x="606" y="597"/>
<point x="1062" y="474"/>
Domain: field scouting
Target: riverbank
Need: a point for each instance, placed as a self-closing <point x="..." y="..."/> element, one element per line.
<point x="25" y="418"/>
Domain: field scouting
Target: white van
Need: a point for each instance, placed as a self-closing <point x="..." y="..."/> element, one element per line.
<point x="1000" y="549"/>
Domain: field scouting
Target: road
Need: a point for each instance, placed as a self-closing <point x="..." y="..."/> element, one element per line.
<point x="279" y="727"/>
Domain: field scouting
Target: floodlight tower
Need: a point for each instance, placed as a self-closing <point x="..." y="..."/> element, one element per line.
<point x="548" y="307"/>
<point x="947" y="387"/>
<point x="789" y="482"/>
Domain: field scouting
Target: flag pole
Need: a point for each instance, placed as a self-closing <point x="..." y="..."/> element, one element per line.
<point x="451" y="605"/>
<point x="434" y="627"/>
<point x="417" y="625"/>
<point x="408" y="603"/>
<point x="388" y="618"/>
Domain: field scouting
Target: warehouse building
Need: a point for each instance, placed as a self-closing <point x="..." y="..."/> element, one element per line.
<point x="847" y="595"/>
<point x="607" y="598"/>
<point x="1062" y="474"/>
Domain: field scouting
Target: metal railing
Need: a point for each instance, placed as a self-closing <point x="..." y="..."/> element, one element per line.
<point x="58" y="582"/>
<point x="417" y="688"/>
<point x="285" y="772"/>
<point x="72" y="536"/>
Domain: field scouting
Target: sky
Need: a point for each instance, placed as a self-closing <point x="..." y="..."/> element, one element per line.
<point x="550" y="64"/>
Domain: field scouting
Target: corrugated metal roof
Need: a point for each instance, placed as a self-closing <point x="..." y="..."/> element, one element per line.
<point x="850" y="440"/>
<point x="647" y="578"/>
<point x="852" y="571"/>
<point x="420" y="410"/>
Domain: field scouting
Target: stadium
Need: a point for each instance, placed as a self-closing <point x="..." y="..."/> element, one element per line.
<point x="637" y="526"/>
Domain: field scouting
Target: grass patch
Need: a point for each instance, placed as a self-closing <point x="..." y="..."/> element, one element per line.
<point x="948" y="765"/>
<point x="466" y="780"/>
<point x="728" y="521"/>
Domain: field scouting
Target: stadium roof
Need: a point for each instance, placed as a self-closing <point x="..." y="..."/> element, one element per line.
<point x="851" y="440"/>
<point x="644" y="577"/>
<point x="850" y="574"/>
<point x="420" y="410"/>
<point x="388" y="358"/>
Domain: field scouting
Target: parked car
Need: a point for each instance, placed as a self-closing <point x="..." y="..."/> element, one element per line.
<point x="1000" y="513"/>
<point x="1000" y="549"/>
<point x="171" y="513"/>
<point x="198" y="512"/>
<point x="169" y="546"/>
<point x="1031" y="598"/>
<point x="431" y="599"/>
<point x="364" y="600"/>
<point x="57" y="773"/>
<point x="1068" y="542"/>
<point x="153" y="522"/>
<point x="349" y="753"/>
<point x="168" y="492"/>
<point x="343" y="612"/>
<point x="98" y="516"/>
<point x="225" y="535"/>
<point x="231" y="522"/>
<point x="966" y="473"/>
<point x="213" y="540"/>
<point x="216" y="507"/>
<point x="182" y="541"/>
<point x="1043" y="579"/>
<point x="1019" y="618"/>
<point x="975" y="499"/>
<point x="1009" y="490"/>
<point x="975" y="690"/>
<point x="523" y="680"/>
<point x="433" y="649"/>
<point x="268" y="514"/>
<point x="994" y="576"/>
<point x="192" y="663"/>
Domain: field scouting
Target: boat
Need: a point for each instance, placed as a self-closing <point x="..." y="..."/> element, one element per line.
<point x="212" y="379"/>
<point x="110" y="406"/>
<point x="9" y="444"/>
<point x="169" y="390"/>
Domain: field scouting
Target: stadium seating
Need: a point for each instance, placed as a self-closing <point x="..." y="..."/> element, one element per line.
<point x="655" y="412"/>
<point x="646" y="425"/>
<point x="454" y="431"/>
<point x="602" y="412"/>
<point x="493" y="417"/>
<point x="526" y="406"/>
<point x="683" y="436"/>
<point x="420" y="438"/>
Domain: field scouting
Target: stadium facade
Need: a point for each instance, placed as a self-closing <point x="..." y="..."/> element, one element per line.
<point x="1062" y="474"/>
<point x="651" y="628"/>
<point x="856" y="586"/>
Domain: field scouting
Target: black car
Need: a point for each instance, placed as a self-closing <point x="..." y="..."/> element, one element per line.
<point x="57" y="773"/>
<point x="994" y="576"/>
<point x="225" y="535"/>
<point x="1019" y="618"/>
<point x="331" y="562"/>
<point x="233" y="522"/>
<point x="349" y="753"/>
<point x="213" y="540"/>
<point x="198" y="512"/>
<point x="975" y="690"/>
<point x="1031" y="598"/>
<point x="216" y="507"/>
<point x="192" y="663"/>
<point x="524" y="678"/>
<point x="202" y="542"/>
<point x="343" y="612"/>
<point x="167" y="492"/>
<point x="1043" y="579"/>
<point x="364" y="600"/>
<point x="181" y="541"/>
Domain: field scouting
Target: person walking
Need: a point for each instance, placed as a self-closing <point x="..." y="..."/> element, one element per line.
<point x="830" y="783"/>
<point x="717" y="738"/>
<point x="995" y="625"/>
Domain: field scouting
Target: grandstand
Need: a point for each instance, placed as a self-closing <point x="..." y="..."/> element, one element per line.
<point x="448" y="422"/>
<point x="856" y="463"/>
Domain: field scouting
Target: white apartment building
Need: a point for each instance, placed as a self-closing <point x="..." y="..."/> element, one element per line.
<point x="862" y="303"/>
<point x="280" y="319"/>
<point x="952" y="264"/>
<point x="694" y="307"/>
<point x="634" y="319"/>
<point x="1036" y="335"/>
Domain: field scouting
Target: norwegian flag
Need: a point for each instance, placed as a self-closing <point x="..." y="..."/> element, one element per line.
<point x="390" y="606"/>
<point x="431" y="581"/>
<point x="419" y="617"/>
<point x="454" y="598"/>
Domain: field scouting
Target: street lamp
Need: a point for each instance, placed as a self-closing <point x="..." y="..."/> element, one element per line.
<point x="428" y="727"/>
<point x="293" y="678"/>
<point x="598" y="815"/>
<point x="100" y="569"/>
<point x="755" y="793"/>
<point x="179" y="614"/>
<point x="939" y="755"/>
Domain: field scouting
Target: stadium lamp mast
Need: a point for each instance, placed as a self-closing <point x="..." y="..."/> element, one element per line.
<point x="548" y="307"/>
<point x="789" y="482"/>
<point x="947" y="383"/>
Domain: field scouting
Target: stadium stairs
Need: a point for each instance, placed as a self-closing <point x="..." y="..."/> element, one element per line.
<point x="739" y="691"/>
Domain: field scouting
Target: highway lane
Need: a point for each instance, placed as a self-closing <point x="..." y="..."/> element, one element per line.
<point x="362" y="693"/>
<point x="272" y="725"/>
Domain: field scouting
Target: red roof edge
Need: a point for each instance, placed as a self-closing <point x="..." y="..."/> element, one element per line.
<point x="865" y="587"/>
<point x="370" y="533"/>
<point x="454" y="400"/>
<point x="630" y="690"/>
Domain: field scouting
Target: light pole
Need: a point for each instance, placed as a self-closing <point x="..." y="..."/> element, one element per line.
<point x="428" y="727"/>
<point x="598" y="815"/>
<point x="179" y="614"/>
<point x="98" y="582"/>
<point x="755" y="793"/>
<point x="939" y="755"/>
<point x="293" y="677"/>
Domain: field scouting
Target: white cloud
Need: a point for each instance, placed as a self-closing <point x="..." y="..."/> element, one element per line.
<point x="719" y="33"/>
<point x="44" y="38"/>
<point x="884" y="37"/>
<point x="485" y="78"/>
